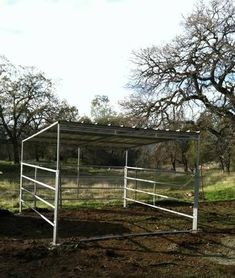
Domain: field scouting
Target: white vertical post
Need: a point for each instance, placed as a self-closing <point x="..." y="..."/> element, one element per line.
<point x="57" y="187"/>
<point x="196" y="188"/>
<point x="125" y="180"/>
<point x="78" y="171"/>
<point x="154" y="196"/>
<point x="21" y="178"/>
<point x="35" y="189"/>
<point x="60" y="190"/>
<point x="135" y="184"/>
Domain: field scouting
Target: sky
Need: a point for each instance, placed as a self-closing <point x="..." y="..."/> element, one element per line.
<point x="86" y="46"/>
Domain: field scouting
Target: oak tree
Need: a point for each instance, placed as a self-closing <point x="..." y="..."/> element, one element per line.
<point x="194" y="71"/>
<point x="27" y="102"/>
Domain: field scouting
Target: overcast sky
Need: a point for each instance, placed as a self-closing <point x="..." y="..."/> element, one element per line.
<point x="86" y="45"/>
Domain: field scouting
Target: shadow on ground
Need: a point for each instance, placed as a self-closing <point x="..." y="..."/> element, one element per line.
<point x="27" y="226"/>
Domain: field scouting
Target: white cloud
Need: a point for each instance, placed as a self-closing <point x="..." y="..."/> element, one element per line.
<point x="86" y="43"/>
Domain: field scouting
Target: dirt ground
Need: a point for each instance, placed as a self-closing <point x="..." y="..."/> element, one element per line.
<point x="25" y="249"/>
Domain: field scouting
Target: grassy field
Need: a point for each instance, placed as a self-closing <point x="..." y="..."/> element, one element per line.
<point x="216" y="186"/>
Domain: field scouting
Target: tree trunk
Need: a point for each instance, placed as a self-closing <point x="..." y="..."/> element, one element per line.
<point x="227" y="163"/>
<point x="221" y="159"/>
<point x="185" y="163"/>
<point x="15" y="151"/>
<point x="173" y="162"/>
<point x="9" y="151"/>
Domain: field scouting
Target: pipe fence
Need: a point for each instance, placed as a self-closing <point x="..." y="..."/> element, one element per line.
<point x="153" y="193"/>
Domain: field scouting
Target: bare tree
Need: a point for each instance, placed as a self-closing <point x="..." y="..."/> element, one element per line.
<point x="197" y="69"/>
<point x="27" y="102"/>
<point x="219" y="135"/>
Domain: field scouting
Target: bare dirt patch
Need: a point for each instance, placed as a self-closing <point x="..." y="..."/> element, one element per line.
<point x="25" y="249"/>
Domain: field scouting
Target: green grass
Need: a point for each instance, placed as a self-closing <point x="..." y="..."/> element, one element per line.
<point x="217" y="186"/>
<point x="9" y="185"/>
<point x="96" y="204"/>
<point x="9" y="194"/>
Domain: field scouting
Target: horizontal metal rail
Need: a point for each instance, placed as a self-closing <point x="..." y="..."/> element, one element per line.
<point x="137" y="179"/>
<point x="93" y="198"/>
<point x="151" y="181"/>
<point x="39" y="167"/>
<point x="85" y="199"/>
<point x="150" y="193"/>
<point x="67" y="165"/>
<point x="158" y="170"/>
<point x="148" y="181"/>
<point x="39" y="182"/>
<point x="38" y="198"/>
<point x="81" y="177"/>
<point x="90" y="187"/>
<point x="64" y="176"/>
<point x="161" y="208"/>
<point x="84" y="177"/>
<point x="41" y="215"/>
<point x="81" y="188"/>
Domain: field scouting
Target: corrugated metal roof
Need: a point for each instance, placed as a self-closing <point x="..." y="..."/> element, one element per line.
<point x="81" y="134"/>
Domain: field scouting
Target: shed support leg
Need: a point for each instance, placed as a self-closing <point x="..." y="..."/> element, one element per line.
<point x="57" y="188"/>
<point x="196" y="190"/>
<point x="125" y="180"/>
<point x="21" y="178"/>
<point x="78" y="171"/>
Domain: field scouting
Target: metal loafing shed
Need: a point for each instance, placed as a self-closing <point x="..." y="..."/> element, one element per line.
<point x="78" y="134"/>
